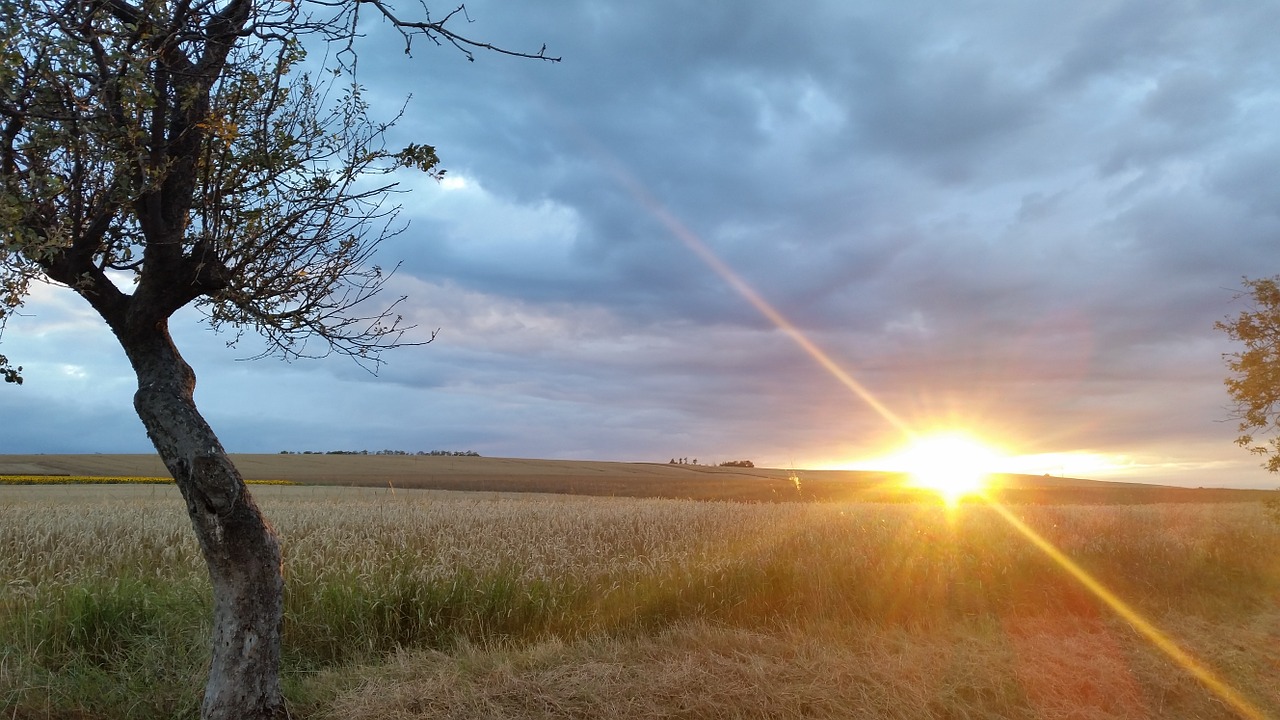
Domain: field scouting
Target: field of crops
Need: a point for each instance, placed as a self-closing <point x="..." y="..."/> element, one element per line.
<point x="107" y="480"/>
<point x="621" y="479"/>
<point x="423" y="604"/>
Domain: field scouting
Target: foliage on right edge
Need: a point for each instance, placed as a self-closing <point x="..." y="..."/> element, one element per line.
<point x="1254" y="383"/>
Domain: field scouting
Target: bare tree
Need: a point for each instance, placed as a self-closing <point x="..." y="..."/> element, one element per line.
<point x="156" y="154"/>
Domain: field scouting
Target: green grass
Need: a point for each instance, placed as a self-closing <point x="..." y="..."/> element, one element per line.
<point x="105" y="603"/>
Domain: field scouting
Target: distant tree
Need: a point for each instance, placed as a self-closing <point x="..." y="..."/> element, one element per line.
<point x="1254" y="382"/>
<point x="156" y="154"/>
<point x="738" y="463"/>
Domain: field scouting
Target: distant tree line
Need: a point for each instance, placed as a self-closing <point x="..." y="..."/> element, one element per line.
<point x="433" y="453"/>
<point x="731" y="463"/>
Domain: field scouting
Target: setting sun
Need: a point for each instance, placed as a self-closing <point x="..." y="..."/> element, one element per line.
<point x="951" y="464"/>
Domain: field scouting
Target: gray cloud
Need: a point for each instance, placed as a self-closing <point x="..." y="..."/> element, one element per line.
<point x="1024" y="216"/>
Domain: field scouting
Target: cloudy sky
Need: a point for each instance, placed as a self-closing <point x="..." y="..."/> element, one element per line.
<point x="1020" y="219"/>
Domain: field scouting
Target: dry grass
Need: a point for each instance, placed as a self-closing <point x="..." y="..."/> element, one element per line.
<point x="690" y="670"/>
<point x="1032" y="668"/>
<point x="535" y="606"/>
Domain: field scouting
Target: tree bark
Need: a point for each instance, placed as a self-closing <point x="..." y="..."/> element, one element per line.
<point x="239" y="546"/>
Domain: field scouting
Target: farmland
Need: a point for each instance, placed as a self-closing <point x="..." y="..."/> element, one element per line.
<point x="617" y="479"/>
<point x="411" y="602"/>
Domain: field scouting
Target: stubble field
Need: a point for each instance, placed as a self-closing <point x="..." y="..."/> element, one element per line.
<point x="409" y="603"/>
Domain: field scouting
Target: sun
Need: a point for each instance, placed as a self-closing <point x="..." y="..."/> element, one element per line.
<point x="952" y="464"/>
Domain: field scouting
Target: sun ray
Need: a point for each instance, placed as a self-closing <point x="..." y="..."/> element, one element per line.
<point x="1166" y="645"/>
<point x="1145" y="628"/>
<point x="694" y="243"/>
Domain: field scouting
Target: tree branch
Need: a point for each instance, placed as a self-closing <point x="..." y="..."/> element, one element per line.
<point x="435" y="30"/>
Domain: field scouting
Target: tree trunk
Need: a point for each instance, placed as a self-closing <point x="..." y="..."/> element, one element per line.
<point x="239" y="546"/>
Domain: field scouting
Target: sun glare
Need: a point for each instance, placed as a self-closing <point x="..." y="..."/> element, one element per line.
<point x="950" y="464"/>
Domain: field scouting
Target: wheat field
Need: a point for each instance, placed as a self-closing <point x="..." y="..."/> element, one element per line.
<point x="434" y="604"/>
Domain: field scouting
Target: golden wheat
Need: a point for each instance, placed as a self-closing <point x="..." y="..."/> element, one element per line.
<point x="55" y="535"/>
<point x="370" y="571"/>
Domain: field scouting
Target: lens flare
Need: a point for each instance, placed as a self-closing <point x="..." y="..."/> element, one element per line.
<point x="1158" y="639"/>
<point x="1171" y="649"/>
